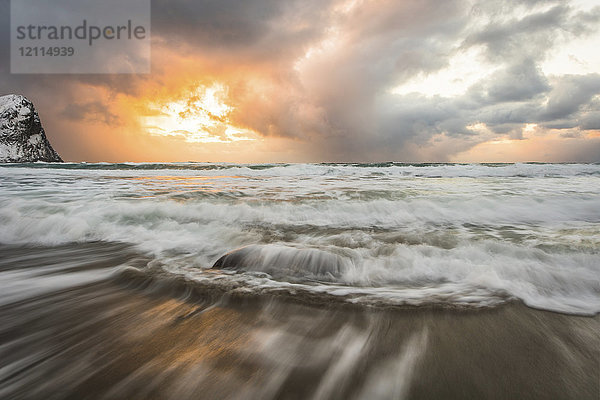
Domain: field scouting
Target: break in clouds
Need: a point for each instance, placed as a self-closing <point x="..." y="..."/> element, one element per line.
<point x="366" y="80"/>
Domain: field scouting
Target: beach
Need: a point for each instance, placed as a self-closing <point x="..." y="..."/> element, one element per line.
<point x="335" y="281"/>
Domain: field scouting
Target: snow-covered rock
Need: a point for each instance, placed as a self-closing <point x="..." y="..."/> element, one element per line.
<point x="22" y="138"/>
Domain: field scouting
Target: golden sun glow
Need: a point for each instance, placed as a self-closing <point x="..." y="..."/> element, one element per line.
<point x="200" y="116"/>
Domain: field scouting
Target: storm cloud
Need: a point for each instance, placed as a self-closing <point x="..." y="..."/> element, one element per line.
<point x="337" y="77"/>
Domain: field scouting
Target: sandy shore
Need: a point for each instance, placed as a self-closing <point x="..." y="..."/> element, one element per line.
<point x="133" y="339"/>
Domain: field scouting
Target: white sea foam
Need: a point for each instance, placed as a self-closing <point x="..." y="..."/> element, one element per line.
<point x="402" y="233"/>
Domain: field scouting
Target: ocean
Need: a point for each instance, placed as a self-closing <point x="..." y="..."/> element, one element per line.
<point x="366" y="281"/>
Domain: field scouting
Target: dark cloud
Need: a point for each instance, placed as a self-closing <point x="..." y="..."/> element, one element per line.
<point x="527" y="37"/>
<point x="590" y="120"/>
<point x="260" y="30"/>
<point x="569" y="94"/>
<point x="216" y="23"/>
<point x="4" y="38"/>
<point x="92" y="111"/>
<point x="571" y="134"/>
<point x="517" y="82"/>
<point x="377" y="125"/>
<point x="338" y="101"/>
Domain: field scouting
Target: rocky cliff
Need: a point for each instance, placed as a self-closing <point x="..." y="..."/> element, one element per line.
<point x="22" y="138"/>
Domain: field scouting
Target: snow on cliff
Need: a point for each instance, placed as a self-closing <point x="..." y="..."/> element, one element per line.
<point x="22" y="138"/>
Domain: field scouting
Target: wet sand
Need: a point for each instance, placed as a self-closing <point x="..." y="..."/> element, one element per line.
<point x="131" y="338"/>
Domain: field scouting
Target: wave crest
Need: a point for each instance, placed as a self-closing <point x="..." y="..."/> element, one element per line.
<point x="285" y="263"/>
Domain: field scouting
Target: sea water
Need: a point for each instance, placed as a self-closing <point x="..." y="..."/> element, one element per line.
<point x="473" y="235"/>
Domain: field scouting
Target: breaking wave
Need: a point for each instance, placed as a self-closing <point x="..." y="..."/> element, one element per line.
<point x="393" y="234"/>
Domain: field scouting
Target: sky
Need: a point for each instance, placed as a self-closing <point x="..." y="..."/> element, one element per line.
<point x="338" y="81"/>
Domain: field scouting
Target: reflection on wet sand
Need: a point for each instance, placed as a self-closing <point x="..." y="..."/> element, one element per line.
<point x="124" y="338"/>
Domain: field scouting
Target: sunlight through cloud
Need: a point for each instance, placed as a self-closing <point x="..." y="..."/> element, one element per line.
<point x="202" y="116"/>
